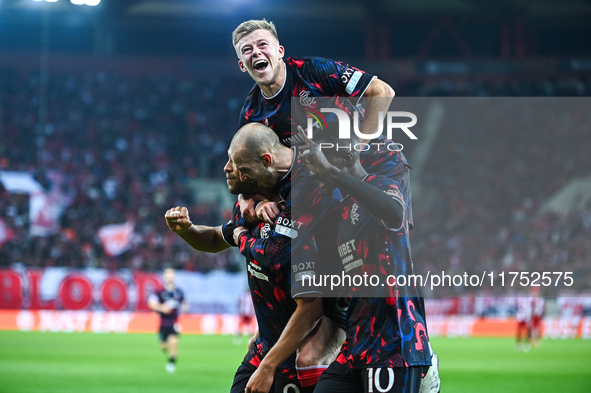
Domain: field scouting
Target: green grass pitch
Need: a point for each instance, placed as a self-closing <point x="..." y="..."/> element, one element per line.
<point x="32" y="362"/>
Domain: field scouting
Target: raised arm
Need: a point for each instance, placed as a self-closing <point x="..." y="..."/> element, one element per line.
<point x="388" y="206"/>
<point x="200" y="237"/>
<point x="378" y="97"/>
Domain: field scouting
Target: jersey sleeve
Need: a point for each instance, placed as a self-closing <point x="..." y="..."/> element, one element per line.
<point x="247" y="107"/>
<point x="243" y="115"/>
<point x="380" y="195"/>
<point x="338" y="78"/>
<point x="289" y="247"/>
<point x="228" y="233"/>
<point x="233" y="223"/>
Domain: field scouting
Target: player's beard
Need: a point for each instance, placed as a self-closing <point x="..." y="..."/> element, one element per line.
<point x="239" y="187"/>
<point x="266" y="178"/>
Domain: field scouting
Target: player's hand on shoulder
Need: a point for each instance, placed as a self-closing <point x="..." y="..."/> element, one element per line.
<point x="178" y="219"/>
<point x="247" y="208"/>
<point x="268" y="211"/>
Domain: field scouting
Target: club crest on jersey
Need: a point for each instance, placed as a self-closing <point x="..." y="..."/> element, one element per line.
<point x="265" y="231"/>
<point x="306" y="100"/>
<point x="392" y="193"/>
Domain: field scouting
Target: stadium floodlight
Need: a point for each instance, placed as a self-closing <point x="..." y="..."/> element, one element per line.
<point x="91" y="3"/>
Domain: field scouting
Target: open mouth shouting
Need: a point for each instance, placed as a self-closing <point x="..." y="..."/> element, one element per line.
<point x="260" y="65"/>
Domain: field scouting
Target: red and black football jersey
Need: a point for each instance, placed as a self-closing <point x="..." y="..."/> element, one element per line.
<point x="306" y="78"/>
<point x="269" y="285"/>
<point x="386" y="327"/>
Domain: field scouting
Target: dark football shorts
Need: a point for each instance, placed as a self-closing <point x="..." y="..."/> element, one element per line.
<point x="338" y="378"/>
<point x="166" y="331"/>
<point x="284" y="382"/>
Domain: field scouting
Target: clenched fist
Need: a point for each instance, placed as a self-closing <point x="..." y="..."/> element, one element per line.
<point x="178" y="219"/>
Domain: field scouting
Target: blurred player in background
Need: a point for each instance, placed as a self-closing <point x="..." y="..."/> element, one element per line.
<point x="169" y="302"/>
<point x="523" y="316"/>
<point x="538" y="311"/>
<point x="245" y="317"/>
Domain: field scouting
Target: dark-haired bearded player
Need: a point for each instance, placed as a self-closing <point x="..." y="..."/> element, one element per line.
<point x="278" y="81"/>
<point x="387" y="346"/>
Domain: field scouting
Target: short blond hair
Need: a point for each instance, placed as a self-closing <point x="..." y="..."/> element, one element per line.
<point x="245" y="28"/>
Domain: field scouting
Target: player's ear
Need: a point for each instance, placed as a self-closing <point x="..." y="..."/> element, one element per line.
<point x="280" y="51"/>
<point x="267" y="159"/>
<point x="241" y="66"/>
<point x="349" y="158"/>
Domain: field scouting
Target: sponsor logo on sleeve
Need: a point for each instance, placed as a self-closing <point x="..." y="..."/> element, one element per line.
<point x="303" y="269"/>
<point x="287" y="227"/>
<point x="351" y="83"/>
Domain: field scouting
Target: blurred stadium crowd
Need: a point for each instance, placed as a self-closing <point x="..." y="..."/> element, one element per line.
<point x="490" y="193"/>
<point x="124" y="148"/>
